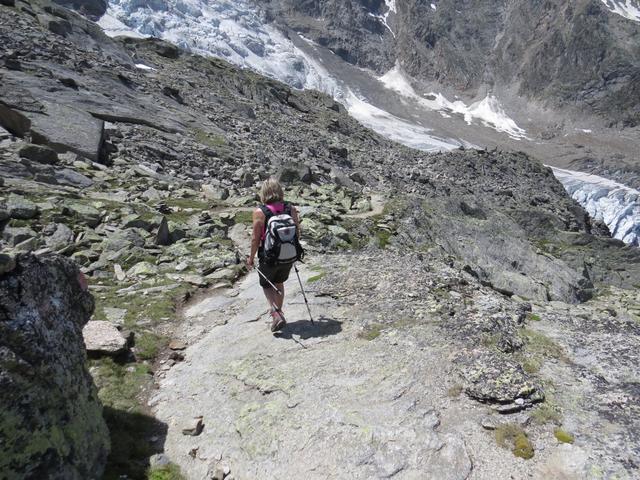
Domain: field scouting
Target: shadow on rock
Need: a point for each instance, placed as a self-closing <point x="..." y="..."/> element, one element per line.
<point x="322" y="327"/>
<point x="135" y="438"/>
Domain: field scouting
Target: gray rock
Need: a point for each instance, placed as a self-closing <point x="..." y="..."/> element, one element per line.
<point x="60" y="238"/>
<point x="14" y="121"/>
<point x="213" y="192"/>
<point x="15" y="235"/>
<point x="83" y="212"/>
<point x="136" y="221"/>
<point x="7" y="263"/>
<point x="67" y="129"/>
<point x="39" y="154"/>
<point x="193" y="427"/>
<point x="151" y="194"/>
<point x="163" y="236"/>
<point x="103" y="338"/>
<point x="123" y="239"/>
<point x="66" y="176"/>
<point x="48" y="395"/>
<point x="21" y="208"/>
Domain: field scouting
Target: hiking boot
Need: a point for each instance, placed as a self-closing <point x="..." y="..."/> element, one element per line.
<point x="278" y="322"/>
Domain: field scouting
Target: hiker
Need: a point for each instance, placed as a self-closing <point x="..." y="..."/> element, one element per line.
<point x="276" y="230"/>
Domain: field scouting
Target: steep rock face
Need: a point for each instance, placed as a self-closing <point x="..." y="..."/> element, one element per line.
<point x="563" y="53"/>
<point x="92" y="8"/>
<point x="51" y="424"/>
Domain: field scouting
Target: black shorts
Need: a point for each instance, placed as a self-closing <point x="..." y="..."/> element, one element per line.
<point x="275" y="273"/>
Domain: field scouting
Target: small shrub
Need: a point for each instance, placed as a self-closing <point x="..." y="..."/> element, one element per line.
<point x="166" y="472"/>
<point x="546" y="413"/>
<point x="371" y="332"/>
<point x="534" y="317"/>
<point x="562" y="436"/>
<point x="514" y="438"/>
<point x="455" y="390"/>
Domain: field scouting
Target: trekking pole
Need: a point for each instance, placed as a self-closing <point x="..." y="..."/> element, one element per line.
<point x="303" y="294"/>
<point x="268" y="281"/>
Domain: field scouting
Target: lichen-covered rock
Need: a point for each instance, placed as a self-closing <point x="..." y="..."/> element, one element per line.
<point x="490" y="377"/>
<point x="51" y="424"/>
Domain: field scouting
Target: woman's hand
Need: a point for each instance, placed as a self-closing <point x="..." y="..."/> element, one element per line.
<point x="249" y="263"/>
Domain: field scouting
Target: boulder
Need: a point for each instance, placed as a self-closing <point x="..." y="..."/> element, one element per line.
<point x="7" y="263"/>
<point x="103" y="338"/>
<point x="66" y="176"/>
<point x="163" y="236"/>
<point x="14" y="121"/>
<point x="51" y="424"/>
<point x="21" y="208"/>
<point x="61" y="237"/>
<point x="212" y="192"/>
<point x="16" y="235"/>
<point x="85" y="213"/>
<point x="39" y="154"/>
<point x="66" y="129"/>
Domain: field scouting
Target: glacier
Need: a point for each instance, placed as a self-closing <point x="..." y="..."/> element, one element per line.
<point x="235" y="31"/>
<point x="617" y="205"/>
<point x="629" y="9"/>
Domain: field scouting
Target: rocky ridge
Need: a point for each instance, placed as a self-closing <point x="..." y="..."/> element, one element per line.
<point x="152" y="197"/>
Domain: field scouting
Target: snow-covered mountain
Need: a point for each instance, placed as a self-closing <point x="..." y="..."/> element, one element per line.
<point x="390" y="103"/>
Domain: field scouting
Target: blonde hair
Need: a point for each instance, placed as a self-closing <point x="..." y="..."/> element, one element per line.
<point x="271" y="191"/>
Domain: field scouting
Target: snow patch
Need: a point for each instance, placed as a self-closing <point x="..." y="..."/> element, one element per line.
<point x="488" y="110"/>
<point x="142" y="66"/>
<point x="613" y="203"/>
<point x="115" y="28"/>
<point x="629" y="9"/>
<point x="433" y="7"/>
<point x="394" y="128"/>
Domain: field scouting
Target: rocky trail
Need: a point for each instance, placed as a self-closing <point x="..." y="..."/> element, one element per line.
<point x="373" y="390"/>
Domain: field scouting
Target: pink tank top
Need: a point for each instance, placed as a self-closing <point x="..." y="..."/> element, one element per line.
<point x="276" y="209"/>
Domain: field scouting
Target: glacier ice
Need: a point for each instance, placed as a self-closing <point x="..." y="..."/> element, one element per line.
<point x="617" y="205"/>
<point x="629" y="9"/>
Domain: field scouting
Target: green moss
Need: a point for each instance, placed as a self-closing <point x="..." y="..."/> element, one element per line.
<point x="533" y="317"/>
<point x="166" y="472"/>
<point x="193" y="203"/>
<point x="209" y="139"/>
<point x="514" y="438"/>
<point x="541" y="344"/>
<point x="531" y="365"/>
<point x="321" y="273"/>
<point x="547" y="412"/>
<point x="455" y="390"/>
<point x="562" y="436"/>
<point x="119" y="386"/>
<point x="383" y="237"/>
<point x="371" y="332"/>
<point x="149" y="344"/>
<point x="243" y="216"/>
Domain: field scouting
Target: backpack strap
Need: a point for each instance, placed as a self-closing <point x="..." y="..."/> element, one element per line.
<point x="267" y="213"/>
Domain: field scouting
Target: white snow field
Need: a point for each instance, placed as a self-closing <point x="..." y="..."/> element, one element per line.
<point x="488" y="110"/>
<point x="629" y="9"/>
<point x="617" y="205"/>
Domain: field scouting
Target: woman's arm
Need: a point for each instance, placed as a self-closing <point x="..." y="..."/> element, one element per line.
<point x="256" y="234"/>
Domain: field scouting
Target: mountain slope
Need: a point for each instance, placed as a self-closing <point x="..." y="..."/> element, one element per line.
<point x="563" y="54"/>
